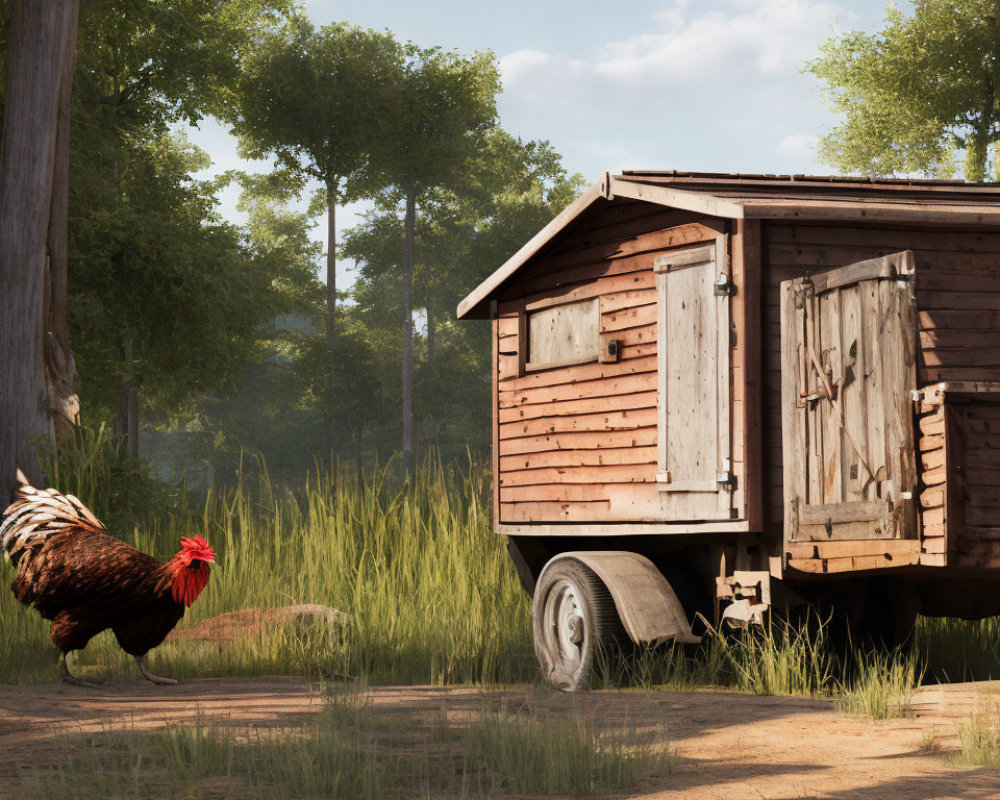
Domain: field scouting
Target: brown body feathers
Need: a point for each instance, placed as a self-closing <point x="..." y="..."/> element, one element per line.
<point x="85" y="580"/>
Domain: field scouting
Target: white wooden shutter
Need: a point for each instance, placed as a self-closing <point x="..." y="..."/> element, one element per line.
<point x="694" y="469"/>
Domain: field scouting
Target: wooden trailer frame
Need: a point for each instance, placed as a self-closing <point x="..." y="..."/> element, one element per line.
<point x="832" y="323"/>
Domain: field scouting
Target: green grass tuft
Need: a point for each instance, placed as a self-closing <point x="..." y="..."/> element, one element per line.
<point x="352" y="750"/>
<point x="881" y="685"/>
<point x="980" y="740"/>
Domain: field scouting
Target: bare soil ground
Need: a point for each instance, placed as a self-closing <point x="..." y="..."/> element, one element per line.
<point x="730" y="746"/>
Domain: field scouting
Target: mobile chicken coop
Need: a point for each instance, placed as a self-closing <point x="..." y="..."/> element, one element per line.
<point x="739" y="391"/>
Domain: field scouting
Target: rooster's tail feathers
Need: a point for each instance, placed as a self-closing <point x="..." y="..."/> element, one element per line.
<point x="37" y="513"/>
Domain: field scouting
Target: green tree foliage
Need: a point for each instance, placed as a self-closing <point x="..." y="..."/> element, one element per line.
<point x="225" y="328"/>
<point x="264" y="406"/>
<point x="914" y="92"/>
<point x="152" y="270"/>
<point x="510" y="190"/>
<point x="438" y="112"/>
<point x="164" y="294"/>
<point x="311" y="98"/>
<point x="146" y="63"/>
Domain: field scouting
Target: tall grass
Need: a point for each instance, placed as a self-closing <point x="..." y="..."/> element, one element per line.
<point x="428" y="592"/>
<point x="881" y="684"/>
<point x="959" y="650"/>
<point x="980" y="739"/>
<point x="779" y="659"/>
<point x="353" y="750"/>
<point x="427" y="588"/>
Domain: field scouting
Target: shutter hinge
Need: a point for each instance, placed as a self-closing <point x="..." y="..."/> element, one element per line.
<point x="726" y="478"/>
<point x="724" y="286"/>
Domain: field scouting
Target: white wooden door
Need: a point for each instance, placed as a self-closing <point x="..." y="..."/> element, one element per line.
<point x="694" y="470"/>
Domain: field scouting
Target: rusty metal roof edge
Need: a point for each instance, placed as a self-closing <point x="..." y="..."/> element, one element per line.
<point x="700" y="198"/>
<point x="729" y="179"/>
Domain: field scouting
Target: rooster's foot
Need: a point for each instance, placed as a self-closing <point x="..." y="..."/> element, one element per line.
<point x="72" y="680"/>
<point x="149" y="676"/>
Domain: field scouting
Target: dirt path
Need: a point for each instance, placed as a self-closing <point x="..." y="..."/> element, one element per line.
<point x="729" y="746"/>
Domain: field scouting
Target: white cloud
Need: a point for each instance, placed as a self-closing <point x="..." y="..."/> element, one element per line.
<point x="768" y="38"/>
<point x="709" y="85"/>
<point x="798" y="145"/>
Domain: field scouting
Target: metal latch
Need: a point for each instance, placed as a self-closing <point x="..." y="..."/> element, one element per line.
<point x="726" y="478"/>
<point x="724" y="287"/>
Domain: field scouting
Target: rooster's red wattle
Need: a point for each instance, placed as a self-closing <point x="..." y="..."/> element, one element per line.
<point x="86" y="581"/>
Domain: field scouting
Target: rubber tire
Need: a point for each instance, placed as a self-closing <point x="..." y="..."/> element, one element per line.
<point x="569" y="589"/>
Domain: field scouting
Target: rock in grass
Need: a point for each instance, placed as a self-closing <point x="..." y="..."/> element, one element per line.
<point x="251" y="621"/>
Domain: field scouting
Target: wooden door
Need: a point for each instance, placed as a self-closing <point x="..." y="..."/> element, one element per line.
<point x="694" y="473"/>
<point x="849" y="341"/>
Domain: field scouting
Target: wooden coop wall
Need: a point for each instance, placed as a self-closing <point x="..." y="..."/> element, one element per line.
<point x="578" y="443"/>
<point x="960" y="498"/>
<point x="958" y="302"/>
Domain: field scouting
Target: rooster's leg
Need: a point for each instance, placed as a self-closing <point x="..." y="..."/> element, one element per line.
<point x="149" y="676"/>
<point x="68" y="678"/>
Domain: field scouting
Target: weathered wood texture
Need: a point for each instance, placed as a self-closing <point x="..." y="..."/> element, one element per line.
<point x="848" y="366"/>
<point x="747" y="427"/>
<point x="960" y="498"/>
<point x="37" y="37"/>
<point x="694" y="389"/>
<point x="958" y="301"/>
<point x="935" y="520"/>
<point x="579" y="443"/>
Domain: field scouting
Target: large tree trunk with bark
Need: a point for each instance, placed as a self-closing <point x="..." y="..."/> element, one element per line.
<point x="410" y="224"/>
<point x="60" y="368"/>
<point x="36" y="54"/>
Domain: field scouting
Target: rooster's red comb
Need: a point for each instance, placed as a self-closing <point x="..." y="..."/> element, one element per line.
<point x="197" y="547"/>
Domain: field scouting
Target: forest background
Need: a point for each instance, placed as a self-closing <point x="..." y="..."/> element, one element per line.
<point x="200" y="340"/>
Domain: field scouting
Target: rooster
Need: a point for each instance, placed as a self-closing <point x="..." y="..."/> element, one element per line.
<point x="86" y="581"/>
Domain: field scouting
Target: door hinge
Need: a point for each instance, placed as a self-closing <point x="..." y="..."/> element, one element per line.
<point x="724" y="286"/>
<point x="726" y="478"/>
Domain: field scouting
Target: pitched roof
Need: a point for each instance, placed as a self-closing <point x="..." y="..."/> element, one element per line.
<point x="729" y="196"/>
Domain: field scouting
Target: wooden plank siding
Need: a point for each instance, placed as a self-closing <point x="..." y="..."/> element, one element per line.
<point x="579" y="443"/>
<point x="958" y="278"/>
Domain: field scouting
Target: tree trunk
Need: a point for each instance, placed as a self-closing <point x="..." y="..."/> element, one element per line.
<point x="60" y="368"/>
<point x="332" y="193"/>
<point x="408" y="460"/>
<point x="976" y="148"/>
<point x="128" y="422"/>
<point x="36" y="50"/>
<point x="430" y="330"/>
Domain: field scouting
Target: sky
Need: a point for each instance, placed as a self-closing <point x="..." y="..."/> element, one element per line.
<point x="714" y="86"/>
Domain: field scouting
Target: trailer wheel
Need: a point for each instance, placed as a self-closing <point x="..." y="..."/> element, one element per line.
<point x="573" y="619"/>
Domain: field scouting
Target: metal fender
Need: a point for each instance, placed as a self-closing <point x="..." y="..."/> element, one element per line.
<point x="646" y="603"/>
